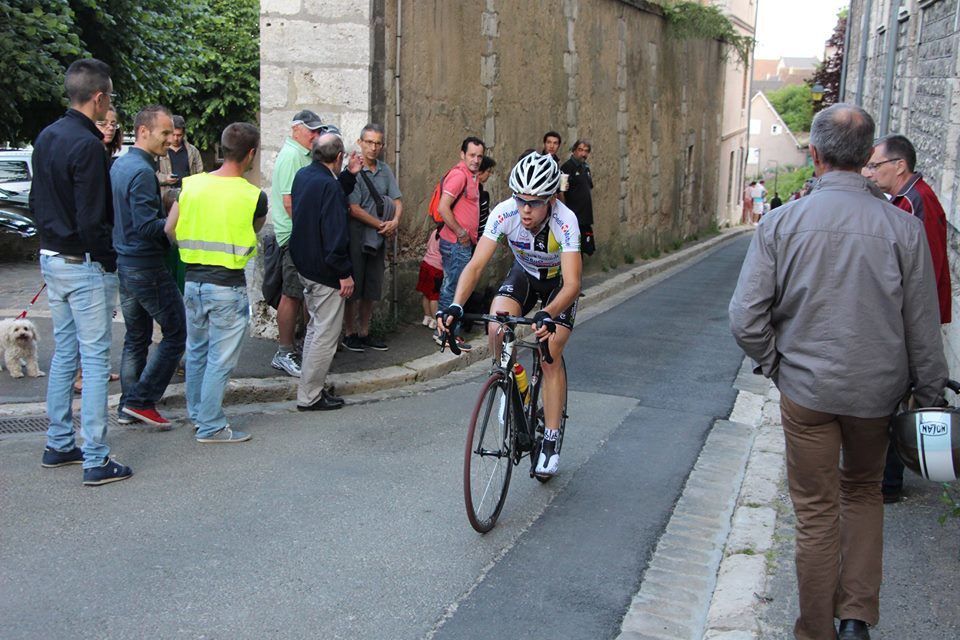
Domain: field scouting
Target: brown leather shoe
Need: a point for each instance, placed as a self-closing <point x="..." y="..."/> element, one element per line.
<point x="853" y="630"/>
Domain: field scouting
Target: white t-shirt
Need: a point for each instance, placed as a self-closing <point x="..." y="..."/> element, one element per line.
<point x="537" y="252"/>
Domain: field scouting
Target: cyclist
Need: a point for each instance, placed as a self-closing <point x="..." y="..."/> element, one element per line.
<point x="545" y="239"/>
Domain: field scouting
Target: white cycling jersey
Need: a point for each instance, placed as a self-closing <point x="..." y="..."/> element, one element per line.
<point x="538" y="252"/>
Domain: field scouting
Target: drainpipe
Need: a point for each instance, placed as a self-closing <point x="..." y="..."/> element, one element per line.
<point x="846" y="55"/>
<point x="396" y="155"/>
<point x="864" y="36"/>
<point x="893" y="35"/>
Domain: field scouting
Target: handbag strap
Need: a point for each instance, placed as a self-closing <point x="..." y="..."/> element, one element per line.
<point x="377" y="198"/>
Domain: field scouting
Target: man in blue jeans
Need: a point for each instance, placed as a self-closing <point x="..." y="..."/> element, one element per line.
<point x="148" y="291"/>
<point x="460" y="209"/>
<point x="70" y="201"/>
<point x="215" y="223"/>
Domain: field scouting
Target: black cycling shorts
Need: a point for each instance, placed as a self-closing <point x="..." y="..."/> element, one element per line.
<point x="525" y="289"/>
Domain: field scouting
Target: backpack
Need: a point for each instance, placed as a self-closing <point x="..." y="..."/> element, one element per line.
<point x="434" y="207"/>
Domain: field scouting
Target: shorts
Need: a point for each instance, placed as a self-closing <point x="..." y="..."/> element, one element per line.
<point x="291" y="285"/>
<point x="368" y="268"/>
<point x="429" y="281"/>
<point x="525" y="289"/>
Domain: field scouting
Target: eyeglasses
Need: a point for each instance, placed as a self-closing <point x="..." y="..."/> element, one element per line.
<point x="533" y="204"/>
<point x="872" y="166"/>
<point x="372" y="143"/>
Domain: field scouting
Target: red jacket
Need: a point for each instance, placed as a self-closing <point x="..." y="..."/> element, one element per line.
<point x="918" y="198"/>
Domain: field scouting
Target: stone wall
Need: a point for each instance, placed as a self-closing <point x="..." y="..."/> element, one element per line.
<point x="925" y="102"/>
<point x="508" y="72"/>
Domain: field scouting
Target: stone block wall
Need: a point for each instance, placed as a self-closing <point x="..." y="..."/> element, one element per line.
<point x="507" y="72"/>
<point x="925" y="103"/>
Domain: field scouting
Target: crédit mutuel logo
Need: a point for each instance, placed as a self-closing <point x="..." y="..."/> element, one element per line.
<point x="932" y="428"/>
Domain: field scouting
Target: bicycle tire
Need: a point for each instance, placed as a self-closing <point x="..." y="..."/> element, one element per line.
<point x="487" y="469"/>
<point x="540" y="422"/>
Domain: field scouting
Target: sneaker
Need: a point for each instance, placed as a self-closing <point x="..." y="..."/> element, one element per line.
<point x="549" y="459"/>
<point x="426" y="321"/>
<point x="464" y="346"/>
<point x="438" y="338"/>
<point x="352" y="343"/>
<point x="433" y="323"/>
<point x="286" y="362"/>
<point x="53" y="458"/>
<point x="109" y="471"/>
<point x="225" y="435"/>
<point x="123" y="418"/>
<point x="374" y="343"/>
<point x="150" y="416"/>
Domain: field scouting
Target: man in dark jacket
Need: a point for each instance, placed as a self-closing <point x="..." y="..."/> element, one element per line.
<point x="578" y="194"/>
<point x="320" y="248"/>
<point x="70" y="201"/>
<point x="148" y="291"/>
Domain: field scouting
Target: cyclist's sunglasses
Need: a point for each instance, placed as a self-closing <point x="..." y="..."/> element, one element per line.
<point x="534" y="204"/>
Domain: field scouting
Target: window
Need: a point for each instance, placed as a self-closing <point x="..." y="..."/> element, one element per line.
<point x="775" y="129"/>
<point x="754" y="127"/>
<point x="14" y="171"/>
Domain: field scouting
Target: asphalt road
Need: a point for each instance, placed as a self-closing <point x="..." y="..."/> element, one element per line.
<point x="350" y="524"/>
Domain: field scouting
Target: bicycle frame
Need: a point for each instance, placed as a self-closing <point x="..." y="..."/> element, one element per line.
<point x="523" y="426"/>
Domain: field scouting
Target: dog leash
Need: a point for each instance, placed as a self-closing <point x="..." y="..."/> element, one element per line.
<point x="23" y="314"/>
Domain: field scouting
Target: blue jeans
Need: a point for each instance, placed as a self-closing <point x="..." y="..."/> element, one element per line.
<point x="82" y="298"/>
<point x="455" y="257"/>
<point x="148" y="294"/>
<point x="216" y="323"/>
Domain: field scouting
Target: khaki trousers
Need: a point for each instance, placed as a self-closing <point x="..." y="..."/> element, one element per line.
<point x="839" y="515"/>
<point x="325" y="307"/>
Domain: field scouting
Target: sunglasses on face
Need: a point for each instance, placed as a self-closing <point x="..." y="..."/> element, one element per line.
<point x="533" y="204"/>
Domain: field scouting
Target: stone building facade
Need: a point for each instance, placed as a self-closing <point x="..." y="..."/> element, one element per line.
<point x="435" y="71"/>
<point x="916" y="92"/>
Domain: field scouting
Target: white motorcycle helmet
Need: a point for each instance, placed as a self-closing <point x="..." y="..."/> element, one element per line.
<point x="927" y="440"/>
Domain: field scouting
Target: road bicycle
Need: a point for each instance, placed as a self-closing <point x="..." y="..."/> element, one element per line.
<point x="506" y="425"/>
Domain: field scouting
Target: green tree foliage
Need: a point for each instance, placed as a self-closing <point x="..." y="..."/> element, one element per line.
<point x="788" y="182"/>
<point x="36" y="38"/>
<point x="688" y="19"/>
<point x="794" y="104"/>
<point x="199" y="57"/>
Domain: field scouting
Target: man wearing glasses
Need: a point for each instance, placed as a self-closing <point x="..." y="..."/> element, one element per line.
<point x="545" y="239"/>
<point x="71" y="203"/>
<point x="891" y="168"/>
<point x="375" y="209"/>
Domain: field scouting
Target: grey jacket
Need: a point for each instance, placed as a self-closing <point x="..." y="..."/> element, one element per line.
<point x="837" y="301"/>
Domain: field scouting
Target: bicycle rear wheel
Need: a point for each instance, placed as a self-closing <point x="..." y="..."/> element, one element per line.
<point x="487" y="460"/>
<point x="540" y="426"/>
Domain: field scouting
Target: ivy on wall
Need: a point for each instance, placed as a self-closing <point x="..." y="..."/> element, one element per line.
<point x="688" y="19"/>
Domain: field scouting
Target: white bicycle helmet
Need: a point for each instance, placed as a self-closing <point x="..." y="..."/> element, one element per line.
<point x="535" y="175"/>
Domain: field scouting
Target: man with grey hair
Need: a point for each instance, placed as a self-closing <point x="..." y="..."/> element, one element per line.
<point x="375" y="210"/>
<point x="837" y="304"/>
<point x="320" y="249"/>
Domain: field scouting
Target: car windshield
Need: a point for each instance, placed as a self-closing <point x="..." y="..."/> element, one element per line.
<point x="14" y="171"/>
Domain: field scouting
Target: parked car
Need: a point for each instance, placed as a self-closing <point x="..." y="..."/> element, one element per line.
<point x="16" y="172"/>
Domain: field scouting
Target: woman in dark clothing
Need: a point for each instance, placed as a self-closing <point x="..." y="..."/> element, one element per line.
<point x="112" y="134"/>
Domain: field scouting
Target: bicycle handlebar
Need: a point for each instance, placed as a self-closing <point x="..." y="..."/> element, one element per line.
<point x="501" y="318"/>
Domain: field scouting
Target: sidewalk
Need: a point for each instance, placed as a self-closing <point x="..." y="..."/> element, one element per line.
<point x="412" y="354"/>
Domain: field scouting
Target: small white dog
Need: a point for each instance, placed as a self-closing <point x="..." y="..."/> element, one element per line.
<point x="18" y="344"/>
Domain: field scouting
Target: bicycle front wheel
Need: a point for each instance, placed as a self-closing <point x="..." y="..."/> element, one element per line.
<point x="487" y="460"/>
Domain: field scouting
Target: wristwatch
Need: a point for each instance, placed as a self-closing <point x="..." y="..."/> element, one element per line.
<point x="462" y="233"/>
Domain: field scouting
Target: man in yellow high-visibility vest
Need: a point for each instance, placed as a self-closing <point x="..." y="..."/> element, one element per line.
<point x="215" y="224"/>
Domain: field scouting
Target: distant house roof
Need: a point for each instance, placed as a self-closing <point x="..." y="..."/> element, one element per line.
<point x="799" y="63"/>
<point x="765" y="69"/>
<point x="766" y="101"/>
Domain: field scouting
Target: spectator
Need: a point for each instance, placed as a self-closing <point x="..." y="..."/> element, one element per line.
<point x="486" y="168"/>
<point x="757" y="192"/>
<point x="841" y="374"/>
<point x="431" y="278"/>
<point x="775" y="201"/>
<point x="71" y="204"/>
<point x="293" y="156"/>
<point x="148" y="291"/>
<point x="112" y="134"/>
<point x="747" y="202"/>
<point x="577" y="196"/>
<point x="371" y="220"/>
<point x="320" y="248"/>
<point x="460" y="209"/>
<point x="551" y="144"/>
<point x="182" y="159"/>
<point x="892" y="168"/>
<point x="215" y="222"/>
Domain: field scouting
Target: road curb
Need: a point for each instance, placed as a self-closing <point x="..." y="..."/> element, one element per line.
<point x="435" y="365"/>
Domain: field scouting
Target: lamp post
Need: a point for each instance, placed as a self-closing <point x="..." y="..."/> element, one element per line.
<point x="816" y="95"/>
<point x="776" y="172"/>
